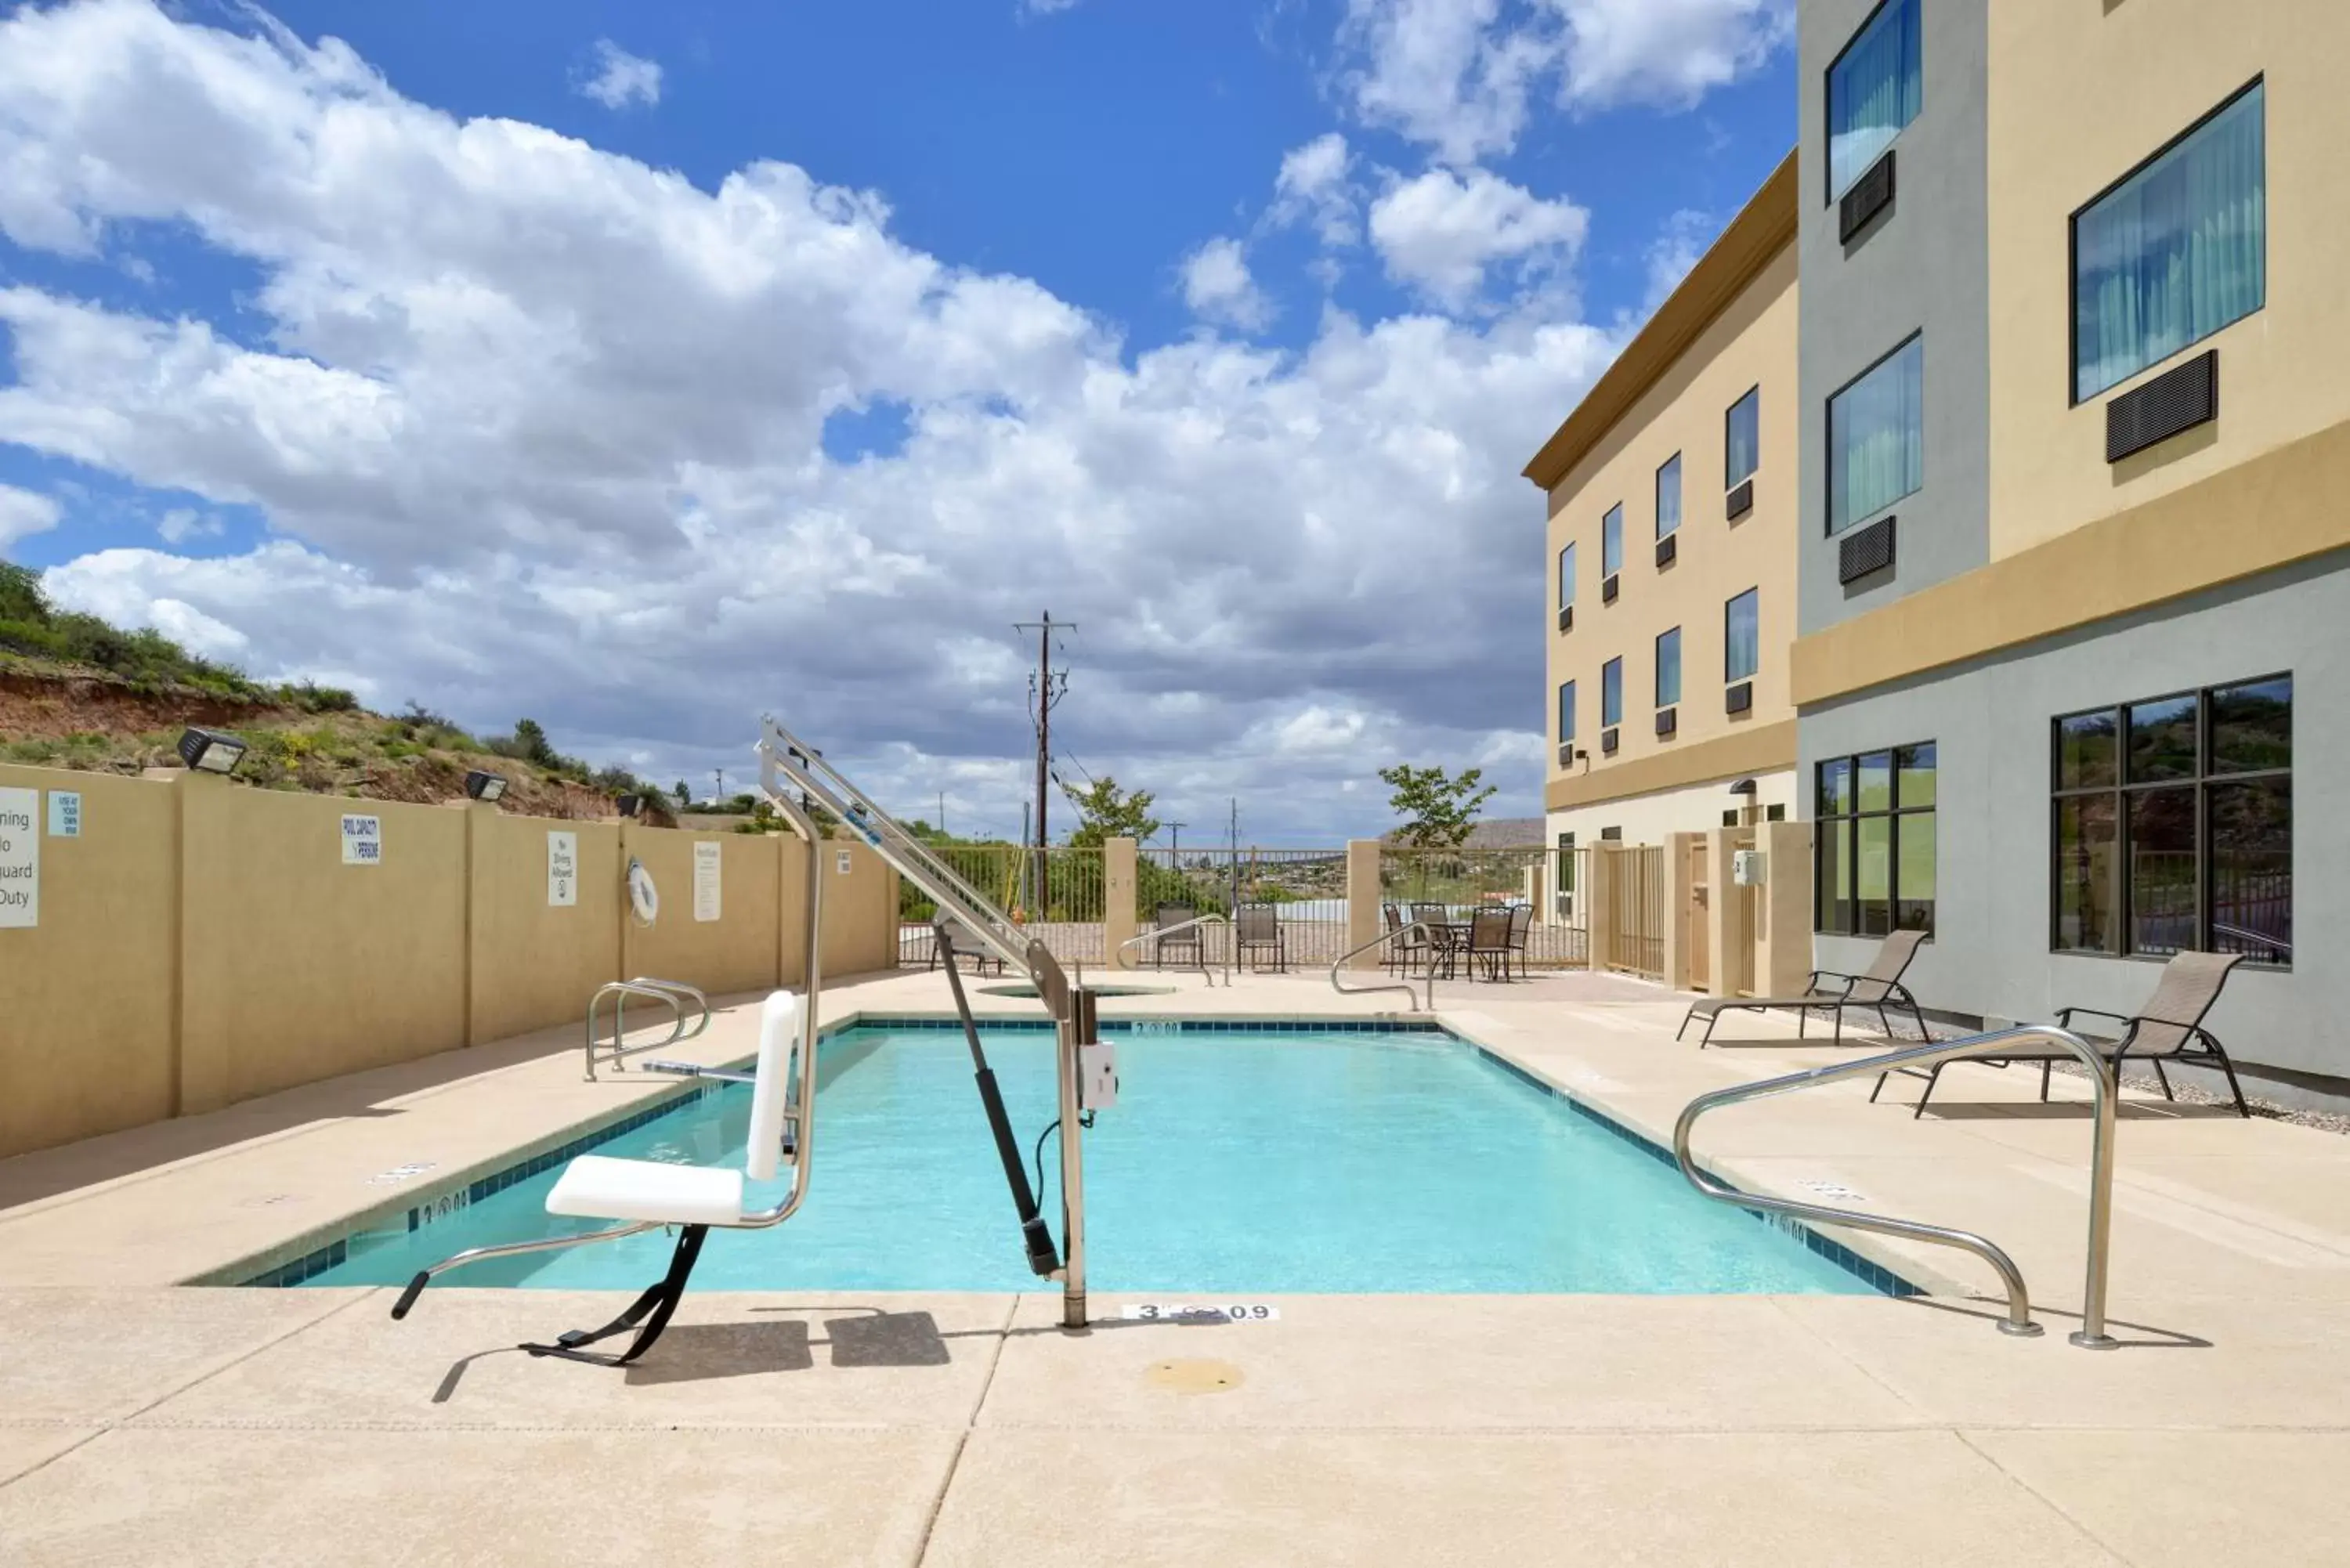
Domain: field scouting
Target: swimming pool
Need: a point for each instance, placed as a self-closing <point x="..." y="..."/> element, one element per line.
<point x="1268" y="1158"/>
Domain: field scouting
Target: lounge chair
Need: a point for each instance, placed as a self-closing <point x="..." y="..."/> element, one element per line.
<point x="1489" y="943"/>
<point x="966" y="945"/>
<point x="1874" y="989"/>
<point x="1258" y="928"/>
<point x="2169" y="1029"/>
<point x="1183" y="941"/>
<point x="1522" y="926"/>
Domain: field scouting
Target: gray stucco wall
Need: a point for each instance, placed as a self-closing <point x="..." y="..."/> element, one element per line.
<point x="1991" y="719"/>
<point x="1922" y="264"/>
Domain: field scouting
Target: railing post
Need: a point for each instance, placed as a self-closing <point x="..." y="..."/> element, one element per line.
<point x="1599" y="909"/>
<point x="1119" y="856"/>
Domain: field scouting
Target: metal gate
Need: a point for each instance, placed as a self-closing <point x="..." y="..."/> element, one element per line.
<point x="1632" y="878"/>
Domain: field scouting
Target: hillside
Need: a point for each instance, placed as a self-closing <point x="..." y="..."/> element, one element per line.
<point x="77" y="692"/>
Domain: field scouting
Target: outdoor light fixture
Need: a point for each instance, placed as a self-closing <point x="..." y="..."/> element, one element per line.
<point x="1743" y="786"/>
<point x="211" y="750"/>
<point x="631" y="805"/>
<point x="485" y="787"/>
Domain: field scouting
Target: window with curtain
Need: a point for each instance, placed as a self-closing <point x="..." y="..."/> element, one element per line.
<point x="1611" y="541"/>
<point x="1877" y="436"/>
<point x="1742" y="446"/>
<point x="1565" y="711"/>
<point x="1566" y="577"/>
<point x="1742" y="638"/>
<point x="1669" y="668"/>
<point x="1874" y="848"/>
<point x="2175" y="251"/>
<point x="1611" y="693"/>
<point x="1876" y="86"/>
<point x="1669" y="495"/>
<point x="2173" y="825"/>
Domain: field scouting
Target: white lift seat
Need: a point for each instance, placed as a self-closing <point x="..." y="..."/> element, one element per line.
<point x="598" y="1186"/>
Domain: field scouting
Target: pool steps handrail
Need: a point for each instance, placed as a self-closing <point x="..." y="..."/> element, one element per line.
<point x="676" y="993"/>
<point x="1403" y="985"/>
<point x="1210" y="919"/>
<point x="2092" y="1335"/>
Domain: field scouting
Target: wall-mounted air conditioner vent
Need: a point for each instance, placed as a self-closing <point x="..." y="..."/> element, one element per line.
<point x="1607" y="742"/>
<point x="1668" y="549"/>
<point x="1870" y="195"/>
<point x="1742" y="500"/>
<point x="2174" y="401"/>
<point x="1608" y="590"/>
<point x="1740" y="698"/>
<point x="1668" y="721"/>
<point x="1865" y="550"/>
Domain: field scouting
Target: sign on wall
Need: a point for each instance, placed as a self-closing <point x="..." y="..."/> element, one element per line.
<point x="841" y="863"/>
<point x="705" y="881"/>
<point x="65" y="814"/>
<point x="562" y="870"/>
<point x="20" y="857"/>
<point x="362" y="841"/>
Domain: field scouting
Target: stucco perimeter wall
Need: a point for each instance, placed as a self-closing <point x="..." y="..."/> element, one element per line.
<point x="200" y="943"/>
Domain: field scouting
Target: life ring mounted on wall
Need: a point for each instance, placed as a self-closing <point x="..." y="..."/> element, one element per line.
<point x="644" y="899"/>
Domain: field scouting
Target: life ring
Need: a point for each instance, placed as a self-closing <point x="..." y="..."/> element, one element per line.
<point x="644" y="899"/>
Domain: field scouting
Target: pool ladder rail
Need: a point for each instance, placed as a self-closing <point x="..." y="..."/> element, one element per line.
<point x="2091" y="1334"/>
<point x="1404" y="985"/>
<point x="1197" y="922"/>
<point x="679" y="997"/>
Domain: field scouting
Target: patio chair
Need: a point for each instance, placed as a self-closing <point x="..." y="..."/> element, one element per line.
<point x="1183" y="941"/>
<point x="1406" y="945"/>
<point x="1258" y="928"/>
<point x="968" y="946"/>
<point x="1440" y="937"/>
<point x="1522" y="927"/>
<point x="1875" y="989"/>
<point x="1489" y="943"/>
<point x="2169" y="1029"/>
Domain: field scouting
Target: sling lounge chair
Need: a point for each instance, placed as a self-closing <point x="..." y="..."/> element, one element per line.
<point x="1184" y="944"/>
<point x="2170" y="1029"/>
<point x="1874" y="990"/>
<point x="1258" y="930"/>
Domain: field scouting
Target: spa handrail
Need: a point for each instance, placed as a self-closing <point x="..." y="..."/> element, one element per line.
<point x="1210" y="919"/>
<point x="677" y="994"/>
<point x="1403" y="985"/>
<point x="2091" y="1333"/>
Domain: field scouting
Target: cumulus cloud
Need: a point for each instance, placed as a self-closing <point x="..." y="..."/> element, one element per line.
<point x="1218" y="287"/>
<point x="536" y="429"/>
<point x="24" y="512"/>
<point x="1677" y="247"/>
<point x="1443" y="232"/>
<point x="1457" y="76"/>
<point x="1313" y="185"/>
<point x="621" y="79"/>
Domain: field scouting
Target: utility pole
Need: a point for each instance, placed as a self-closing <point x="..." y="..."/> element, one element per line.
<point x="943" y="814"/>
<point x="1045" y="690"/>
<point x="720" y="773"/>
<point x="1175" y="843"/>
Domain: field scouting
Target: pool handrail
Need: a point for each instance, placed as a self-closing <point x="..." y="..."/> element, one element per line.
<point x="1210" y="919"/>
<point x="675" y="992"/>
<point x="2092" y="1335"/>
<point x="1403" y="985"/>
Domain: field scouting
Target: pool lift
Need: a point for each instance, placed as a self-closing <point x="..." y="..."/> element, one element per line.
<point x="645" y="1195"/>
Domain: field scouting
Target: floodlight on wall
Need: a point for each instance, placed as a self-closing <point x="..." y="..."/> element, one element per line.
<point x="485" y="787"/>
<point x="1743" y="786"/>
<point x="632" y="803"/>
<point x="211" y="750"/>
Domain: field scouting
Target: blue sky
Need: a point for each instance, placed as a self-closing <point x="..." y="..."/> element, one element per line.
<point x="1220" y="328"/>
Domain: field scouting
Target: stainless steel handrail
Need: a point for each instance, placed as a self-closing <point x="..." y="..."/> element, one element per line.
<point x="1207" y="919"/>
<point x="2091" y="1333"/>
<point x="1403" y="985"/>
<point x="677" y="994"/>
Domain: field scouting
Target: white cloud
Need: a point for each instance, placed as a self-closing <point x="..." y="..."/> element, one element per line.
<point x="25" y="512"/>
<point x="182" y="524"/>
<point x="1047" y="7"/>
<point x="1441" y="232"/>
<point x="1218" y="287"/>
<point x="621" y="79"/>
<point x="1313" y="183"/>
<point x="1457" y="76"/>
<point x="536" y="429"/>
<point x="1675" y="250"/>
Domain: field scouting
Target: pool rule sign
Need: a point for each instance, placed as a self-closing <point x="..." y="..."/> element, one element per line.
<point x="20" y="857"/>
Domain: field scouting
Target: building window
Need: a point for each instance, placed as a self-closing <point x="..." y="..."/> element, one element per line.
<point x="1611" y="541"/>
<point x="1741" y="451"/>
<point x="1875" y="88"/>
<point x="1669" y="668"/>
<point x="2176" y="251"/>
<point x="2173" y="825"/>
<point x="1565" y="711"/>
<point x="1877" y="436"/>
<point x="1775" y="813"/>
<point x="1669" y="495"/>
<point x="1566" y="874"/>
<point x="1875" y="852"/>
<point x="1566" y="577"/>
<point x="1611" y="693"/>
<point x="1741" y="637"/>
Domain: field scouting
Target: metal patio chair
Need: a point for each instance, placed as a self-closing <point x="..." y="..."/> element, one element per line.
<point x="1406" y="945"/>
<point x="1875" y="989"/>
<point x="1178" y="942"/>
<point x="964" y="946"/>
<point x="1258" y="928"/>
<point x="1489" y="944"/>
<point x="1522" y="927"/>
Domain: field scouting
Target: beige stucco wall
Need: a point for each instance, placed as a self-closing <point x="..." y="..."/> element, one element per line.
<point x="1691" y="808"/>
<point x="2078" y="96"/>
<point x="537" y="963"/>
<point x="79" y="1052"/>
<point x="860" y="908"/>
<point x="737" y="952"/>
<point x="1751" y="343"/>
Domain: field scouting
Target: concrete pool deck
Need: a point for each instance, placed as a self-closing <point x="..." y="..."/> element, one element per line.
<point x="144" y="1423"/>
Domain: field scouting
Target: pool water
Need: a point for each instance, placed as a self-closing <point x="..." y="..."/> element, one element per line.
<point x="1233" y="1162"/>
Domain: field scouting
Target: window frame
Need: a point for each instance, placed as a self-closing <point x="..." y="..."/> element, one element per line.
<point x="2073" y="396"/>
<point x="2202" y="780"/>
<point x="1827" y="437"/>
<point x="1680" y="496"/>
<point x="1730" y="480"/>
<point x="1892" y="814"/>
<point x="1611" y="531"/>
<point x="1730" y="677"/>
<point x="1657" y="684"/>
<point x="1566" y="699"/>
<point x="1616" y="667"/>
<point x="1827" y="99"/>
<point x="1566" y="575"/>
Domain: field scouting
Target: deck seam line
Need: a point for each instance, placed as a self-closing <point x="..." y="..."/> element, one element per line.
<point x="271" y="1344"/>
<point x="2050" y="1504"/>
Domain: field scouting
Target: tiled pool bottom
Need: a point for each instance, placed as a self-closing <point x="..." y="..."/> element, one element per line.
<point x="1243" y="1157"/>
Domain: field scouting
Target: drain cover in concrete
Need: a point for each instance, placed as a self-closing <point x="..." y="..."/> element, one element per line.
<point x="1193" y="1376"/>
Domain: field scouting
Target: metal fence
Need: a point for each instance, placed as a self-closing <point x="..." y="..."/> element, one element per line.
<point x="1307" y="887"/>
<point x="1056" y="895"/>
<point x="1462" y="881"/>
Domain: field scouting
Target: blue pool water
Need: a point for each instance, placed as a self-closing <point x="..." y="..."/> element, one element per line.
<point x="1233" y="1162"/>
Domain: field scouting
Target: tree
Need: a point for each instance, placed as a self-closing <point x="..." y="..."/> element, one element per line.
<point x="1438" y="810"/>
<point x="1109" y="811"/>
<point x="684" y="795"/>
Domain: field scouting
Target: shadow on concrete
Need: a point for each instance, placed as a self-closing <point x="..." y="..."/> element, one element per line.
<point x="2056" y="1321"/>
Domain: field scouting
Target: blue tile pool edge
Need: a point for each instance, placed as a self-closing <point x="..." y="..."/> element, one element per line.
<point x="1877" y="1277"/>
